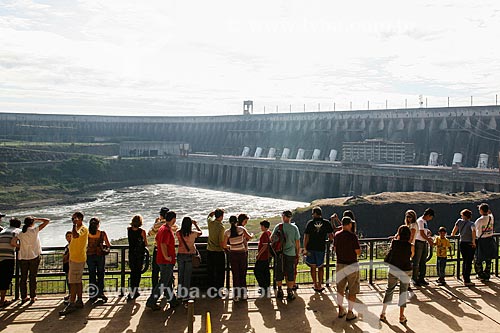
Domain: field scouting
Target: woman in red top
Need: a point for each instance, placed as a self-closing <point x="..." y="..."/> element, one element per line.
<point x="262" y="273"/>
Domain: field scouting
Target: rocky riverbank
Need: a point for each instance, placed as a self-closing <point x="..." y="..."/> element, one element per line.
<point x="380" y="215"/>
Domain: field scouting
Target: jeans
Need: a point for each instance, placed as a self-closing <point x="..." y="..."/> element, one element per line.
<point x="28" y="266"/>
<point x="441" y="267"/>
<point x="135" y="263"/>
<point x="185" y="265"/>
<point x="483" y="272"/>
<point x="467" y="252"/>
<point x="262" y="273"/>
<point x="239" y="264"/>
<point x="419" y="261"/>
<point x="95" y="264"/>
<point x="393" y="278"/>
<point x="216" y="262"/>
<point x="164" y="285"/>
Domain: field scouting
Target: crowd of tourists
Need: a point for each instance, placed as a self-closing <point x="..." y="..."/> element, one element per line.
<point x="174" y="244"/>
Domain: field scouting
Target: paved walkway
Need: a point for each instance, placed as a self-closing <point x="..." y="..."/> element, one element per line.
<point x="450" y="308"/>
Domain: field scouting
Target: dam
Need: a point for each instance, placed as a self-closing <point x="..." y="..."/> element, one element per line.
<point x="442" y="149"/>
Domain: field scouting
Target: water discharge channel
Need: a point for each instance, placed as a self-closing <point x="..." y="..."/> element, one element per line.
<point x="116" y="208"/>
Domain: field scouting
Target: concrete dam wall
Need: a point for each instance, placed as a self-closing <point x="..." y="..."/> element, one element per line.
<point x="309" y="180"/>
<point x="470" y="131"/>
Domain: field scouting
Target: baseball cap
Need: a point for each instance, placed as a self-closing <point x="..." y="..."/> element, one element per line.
<point x="2" y="214"/>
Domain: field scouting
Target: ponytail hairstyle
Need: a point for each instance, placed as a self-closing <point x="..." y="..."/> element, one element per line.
<point x="94" y="225"/>
<point x="28" y="222"/>
<point x="234" y="221"/>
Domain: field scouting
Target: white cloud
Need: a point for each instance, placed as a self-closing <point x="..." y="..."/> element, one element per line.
<point x="194" y="57"/>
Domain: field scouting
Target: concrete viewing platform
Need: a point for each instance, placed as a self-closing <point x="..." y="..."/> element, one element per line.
<point x="450" y="308"/>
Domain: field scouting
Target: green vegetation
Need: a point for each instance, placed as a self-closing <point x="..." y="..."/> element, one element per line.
<point x="21" y="183"/>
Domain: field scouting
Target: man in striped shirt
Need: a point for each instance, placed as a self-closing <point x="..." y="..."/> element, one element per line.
<point x="7" y="258"/>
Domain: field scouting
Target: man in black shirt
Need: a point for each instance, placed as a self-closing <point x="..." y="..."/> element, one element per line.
<point x="315" y="236"/>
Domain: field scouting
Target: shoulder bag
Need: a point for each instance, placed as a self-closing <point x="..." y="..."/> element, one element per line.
<point x="196" y="257"/>
<point x="103" y="250"/>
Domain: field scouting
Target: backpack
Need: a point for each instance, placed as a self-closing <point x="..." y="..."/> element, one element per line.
<point x="278" y="241"/>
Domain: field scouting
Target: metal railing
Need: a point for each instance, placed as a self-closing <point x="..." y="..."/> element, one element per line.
<point x="51" y="279"/>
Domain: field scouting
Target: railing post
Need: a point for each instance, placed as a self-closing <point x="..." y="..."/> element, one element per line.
<point x="370" y="273"/>
<point x="228" y="270"/>
<point x="496" y="259"/>
<point x="327" y="268"/>
<point x="16" y="286"/>
<point x="122" y="272"/>
<point x="190" y="315"/>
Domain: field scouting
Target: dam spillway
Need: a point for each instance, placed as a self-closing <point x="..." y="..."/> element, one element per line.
<point x="309" y="180"/>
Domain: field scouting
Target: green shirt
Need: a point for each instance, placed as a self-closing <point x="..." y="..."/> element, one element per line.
<point x="292" y="235"/>
<point x="215" y="235"/>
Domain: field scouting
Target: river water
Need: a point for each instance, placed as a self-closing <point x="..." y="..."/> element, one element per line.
<point x="115" y="208"/>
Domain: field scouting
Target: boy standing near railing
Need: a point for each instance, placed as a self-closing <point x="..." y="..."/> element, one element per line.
<point x="442" y="245"/>
<point x="66" y="263"/>
<point x="262" y="273"/>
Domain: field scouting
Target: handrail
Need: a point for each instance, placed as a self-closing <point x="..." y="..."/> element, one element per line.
<point x="371" y="260"/>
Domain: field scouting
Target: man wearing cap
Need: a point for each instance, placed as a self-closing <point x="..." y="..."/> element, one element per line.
<point x="285" y="262"/>
<point x="155" y="269"/>
<point x="317" y="230"/>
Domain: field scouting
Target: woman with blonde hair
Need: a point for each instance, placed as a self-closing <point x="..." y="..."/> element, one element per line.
<point x="411" y="222"/>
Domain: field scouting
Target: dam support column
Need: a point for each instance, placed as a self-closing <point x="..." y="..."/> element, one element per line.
<point x="366" y="184"/>
<point x="418" y="185"/>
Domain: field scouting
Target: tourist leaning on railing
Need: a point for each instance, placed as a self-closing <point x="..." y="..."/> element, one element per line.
<point x="216" y="258"/>
<point x="235" y="241"/>
<point x="66" y="262"/>
<point x="7" y="258"/>
<point x="137" y="242"/>
<point x="165" y="240"/>
<point x="30" y="250"/>
<point x="187" y="248"/>
<point x="486" y="248"/>
<point x="262" y="273"/>
<point x="98" y="247"/>
<point x="467" y="231"/>
<point x="159" y="221"/>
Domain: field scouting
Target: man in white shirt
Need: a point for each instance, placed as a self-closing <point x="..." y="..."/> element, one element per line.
<point x="423" y="236"/>
<point x="485" y="248"/>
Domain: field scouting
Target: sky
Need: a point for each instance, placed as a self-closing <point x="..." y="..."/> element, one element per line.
<point x="180" y="58"/>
